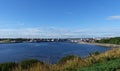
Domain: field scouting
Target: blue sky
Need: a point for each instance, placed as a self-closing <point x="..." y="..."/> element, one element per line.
<point x="59" y="18"/>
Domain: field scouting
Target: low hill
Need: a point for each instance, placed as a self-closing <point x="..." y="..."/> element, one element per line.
<point x="115" y="40"/>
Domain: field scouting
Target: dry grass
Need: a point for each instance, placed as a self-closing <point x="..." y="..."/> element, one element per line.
<point x="111" y="54"/>
<point x="34" y="67"/>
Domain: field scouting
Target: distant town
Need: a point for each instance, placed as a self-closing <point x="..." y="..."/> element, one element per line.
<point x="31" y="40"/>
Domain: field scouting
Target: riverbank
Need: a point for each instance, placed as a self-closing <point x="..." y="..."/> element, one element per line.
<point x="101" y="44"/>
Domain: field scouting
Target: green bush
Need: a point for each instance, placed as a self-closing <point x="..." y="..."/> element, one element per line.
<point x="27" y="63"/>
<point x="96" y="53"/>
<point x="7" y="66"/>
<point x="64" y="59"/>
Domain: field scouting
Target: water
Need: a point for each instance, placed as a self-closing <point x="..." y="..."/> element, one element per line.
<point x="45" y="51"/>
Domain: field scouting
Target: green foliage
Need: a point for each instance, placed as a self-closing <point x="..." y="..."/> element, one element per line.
<point x="111" y="65"/>
<point x="64" y="59"/>
<point x="27" y="63"/>
<point x="7" y="66"/>
<point x="70" y="69"/>
<point x="110" y="40"/>
<point x="96" y="53"/>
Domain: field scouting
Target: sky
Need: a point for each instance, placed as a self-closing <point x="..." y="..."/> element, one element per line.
<point x="59" y="18"/>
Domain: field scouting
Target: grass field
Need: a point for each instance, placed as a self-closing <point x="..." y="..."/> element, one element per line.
<point x="112" y="65"/>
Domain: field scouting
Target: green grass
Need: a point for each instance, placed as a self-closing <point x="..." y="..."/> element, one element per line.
<point x="112" y="65"/>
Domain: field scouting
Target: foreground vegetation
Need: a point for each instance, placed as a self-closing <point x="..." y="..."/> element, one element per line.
<point x="108" y="61"/>
<point x="111" y="65"/>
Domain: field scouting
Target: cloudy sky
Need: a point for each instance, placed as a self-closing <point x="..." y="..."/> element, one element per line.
<point x="59" y="18"/>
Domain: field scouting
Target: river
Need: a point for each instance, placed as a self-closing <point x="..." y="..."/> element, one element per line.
<point x="45" y="51"/>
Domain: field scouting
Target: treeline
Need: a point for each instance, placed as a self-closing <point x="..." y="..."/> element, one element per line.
<point x="20" y="40"/>
<point x="115" y="40"/>
<point x="16" y="40"/>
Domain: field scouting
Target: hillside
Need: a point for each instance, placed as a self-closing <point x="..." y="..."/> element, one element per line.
<point x="115" y="40"/>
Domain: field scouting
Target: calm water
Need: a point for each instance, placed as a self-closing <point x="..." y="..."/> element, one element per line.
<point x="45" y="51"/>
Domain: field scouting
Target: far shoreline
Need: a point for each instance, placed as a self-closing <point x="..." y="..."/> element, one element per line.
<point x="102" y="44"/>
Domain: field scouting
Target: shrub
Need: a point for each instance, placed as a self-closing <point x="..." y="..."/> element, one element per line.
<point x="64" y="59"/>
<point x="27" y="63"/>
<point x="96" y="53"/>
<point x="7" y="66"/>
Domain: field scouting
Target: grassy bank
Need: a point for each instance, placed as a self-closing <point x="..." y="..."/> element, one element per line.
<point x="111" y="65"/>
<point x="109" y="60"/>
<point x="115" y="40"/>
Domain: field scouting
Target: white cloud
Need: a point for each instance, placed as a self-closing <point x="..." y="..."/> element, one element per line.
<point x="29" y="32"/>
<point x="116" y="17"/>
<point x="50" y="32"/>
